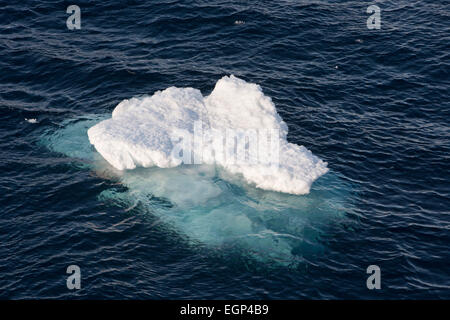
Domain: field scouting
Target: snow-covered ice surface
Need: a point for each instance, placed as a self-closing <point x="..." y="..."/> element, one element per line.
<point x="146" y="132"/>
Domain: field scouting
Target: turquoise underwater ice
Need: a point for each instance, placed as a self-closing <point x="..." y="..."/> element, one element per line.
<point x="211" y="208"/>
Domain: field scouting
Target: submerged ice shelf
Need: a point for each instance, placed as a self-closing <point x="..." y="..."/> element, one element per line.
<point x="144" y="132"/>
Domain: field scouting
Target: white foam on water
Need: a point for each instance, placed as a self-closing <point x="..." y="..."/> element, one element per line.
<point x="144" y="132"/>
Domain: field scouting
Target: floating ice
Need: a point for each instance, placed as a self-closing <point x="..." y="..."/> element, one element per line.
<point x="33" y="120"/>
<point x="215" y="203"/>
<point x="150" y="132"/>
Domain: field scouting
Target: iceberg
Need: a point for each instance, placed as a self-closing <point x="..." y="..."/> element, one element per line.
<point x="227" y="207"/>
<point x="236" y="128"/>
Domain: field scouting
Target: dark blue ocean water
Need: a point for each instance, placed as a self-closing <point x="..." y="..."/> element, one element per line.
<point x="374" y="104"/>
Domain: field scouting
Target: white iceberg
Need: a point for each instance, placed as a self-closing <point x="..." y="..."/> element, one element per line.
<point x="145" y="131"/>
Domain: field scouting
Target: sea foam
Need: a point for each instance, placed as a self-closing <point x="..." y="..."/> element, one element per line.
<point x="145" y="131"/>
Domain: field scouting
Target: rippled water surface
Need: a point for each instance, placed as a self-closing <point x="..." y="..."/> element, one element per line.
<point x="374" y="104"/>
